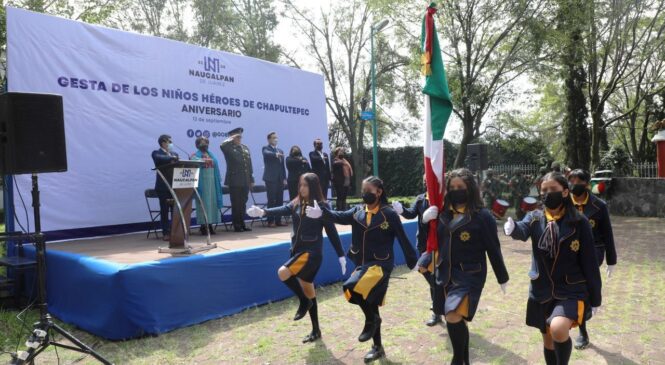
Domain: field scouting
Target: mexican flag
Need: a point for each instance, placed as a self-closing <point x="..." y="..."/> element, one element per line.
<point x="438" y="107"/>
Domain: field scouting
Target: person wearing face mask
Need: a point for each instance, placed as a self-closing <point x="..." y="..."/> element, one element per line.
<point x="299" y="271"/>
<point x="375" y="225"/>
<point x="598" y="215"/>
<point x="239" y="176"/>
<point x="467" y="234"/>
<point x="416" y="211"/>
<point x="164" y="156"/>
<point x="210" y="187"/>
<point x="342" y="173"/>
<point x="274" y="175"/>
<point x="321" y="165"/>
<point x="566" y="279"/>
<point x="296" y="165"/>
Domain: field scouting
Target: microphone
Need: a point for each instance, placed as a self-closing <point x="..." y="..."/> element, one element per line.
<point x="185" y="152"/>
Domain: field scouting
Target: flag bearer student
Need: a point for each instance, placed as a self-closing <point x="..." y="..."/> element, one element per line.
<point x="598" y="215"/>
<point x="467" y="234"/>
<point x="416" y="211"/>
<point x="565" y="278"/>
<point x="375" y="225"/>
<point x="299" y="271"/>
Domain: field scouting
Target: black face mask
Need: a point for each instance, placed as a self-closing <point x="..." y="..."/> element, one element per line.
<point x="458" y="196"/>
<point x="553" y="200"/>
<point x="318" y="147"/>
<point x="369" y="198"/>
<point x="204" y="147"/>
<point x="578" y="189"/>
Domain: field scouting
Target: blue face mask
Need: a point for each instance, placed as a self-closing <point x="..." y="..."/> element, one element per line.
<point x="170" y="146"/>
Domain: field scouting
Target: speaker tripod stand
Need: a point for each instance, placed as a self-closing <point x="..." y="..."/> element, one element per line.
<point x="41" y="337"/>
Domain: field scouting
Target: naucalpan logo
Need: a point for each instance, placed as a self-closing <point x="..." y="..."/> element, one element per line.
<point x="212" y="68"/>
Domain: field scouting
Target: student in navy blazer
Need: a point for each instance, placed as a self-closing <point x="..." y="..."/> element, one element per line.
<point x="274" y="175"/>
<point x="375" y="226"/>
<point x="595" y="209"/>
<point x="565" y="279"/>
<point x="164" y="156"/>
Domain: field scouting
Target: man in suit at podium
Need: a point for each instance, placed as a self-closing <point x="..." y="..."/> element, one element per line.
<point x="239" y="176"/>
<point x="164" y="156"/>
<point x="274" y="175"/>
<point x="321" y="165"/>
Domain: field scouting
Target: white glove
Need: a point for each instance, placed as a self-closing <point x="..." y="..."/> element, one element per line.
<point x="504" y="288"/>
<point x="342" y="263"/>
<point x="397" y="206"/>
<point x="595" y="310"/>
<point x="255" y="212"/>
<point x="430" y="213"/>
<point x="509" y="226"/>
<point x="610" y="269"/>
<point x="314" y="212"/>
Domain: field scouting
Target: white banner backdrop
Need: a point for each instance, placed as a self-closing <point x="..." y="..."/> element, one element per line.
<point x="122" y="90"/>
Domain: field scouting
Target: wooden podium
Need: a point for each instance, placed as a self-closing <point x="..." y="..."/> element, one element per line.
<point x="182" y="179"/>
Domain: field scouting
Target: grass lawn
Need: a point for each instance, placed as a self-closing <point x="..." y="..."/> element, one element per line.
<point x="630" y="329"/>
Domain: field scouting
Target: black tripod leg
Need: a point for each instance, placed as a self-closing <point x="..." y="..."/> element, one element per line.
<point x="82" y="347"/>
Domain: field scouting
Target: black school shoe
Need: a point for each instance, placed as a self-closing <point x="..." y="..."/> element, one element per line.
<point x="436" y="319"/>
<point x="369" y="329"/>
<point x="581" y="342"/>
<point x="246" y="229"/>
<point x="374" y="354"/>
<point x="315" y="335"/>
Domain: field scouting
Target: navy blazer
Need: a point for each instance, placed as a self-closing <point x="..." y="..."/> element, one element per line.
<point x="599" y="217"/>
<point x="307" y="235"/>
<point x="374" y="242"/>
<point x="464" y="244"/>
<point x="416" y="210"/>
<point x="574" y="273"/>
<point x="161" y="158"/>
<point x="273" y="166"/>
<point x="320" y="166"/>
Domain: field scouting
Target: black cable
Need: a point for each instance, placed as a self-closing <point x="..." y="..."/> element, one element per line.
<point x="27" y="219"/>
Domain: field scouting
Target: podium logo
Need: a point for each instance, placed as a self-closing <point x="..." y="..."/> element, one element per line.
<point x="185" y="173"/>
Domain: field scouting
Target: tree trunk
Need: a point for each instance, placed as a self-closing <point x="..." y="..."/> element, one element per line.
<point x="460" y="160"/>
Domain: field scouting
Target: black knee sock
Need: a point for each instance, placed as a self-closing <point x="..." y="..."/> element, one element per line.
<point x="583" y="331"/>
<point x="295" y="286"/>
<point x="466" y="351"/>
<point x="550" y="356"/>
<point x="377" y="334"/>
<point x="562" y="351"/>
<point x="314" y="316"/>
<point x="459" y="336"/>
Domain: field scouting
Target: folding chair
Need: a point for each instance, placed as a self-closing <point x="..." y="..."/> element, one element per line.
<point x="226" y="208"/>
<point x="258" y="189"/>
<point x="154" y="213"/>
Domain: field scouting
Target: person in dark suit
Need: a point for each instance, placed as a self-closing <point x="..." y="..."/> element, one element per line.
<point x="239" y="176"/>
<point x="566" y="279"/>
<point x="321" y="165"/>
<point x="164" y="156"/>
<point x="274" y="175"/>
<point x="296" y="165"/>
<point x="342" y="173"/>
<point x="595" y="209"/>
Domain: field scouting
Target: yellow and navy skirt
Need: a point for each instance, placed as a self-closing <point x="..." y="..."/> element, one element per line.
<point x="540" y="315"/>
<point x="304" y="265"/>
<point x="460" y="298"/>
<point x="368" y="283"/>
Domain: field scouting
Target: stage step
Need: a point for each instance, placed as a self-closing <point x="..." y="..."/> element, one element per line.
<point x="5" y="282"/>
<point x="17" y="262"/>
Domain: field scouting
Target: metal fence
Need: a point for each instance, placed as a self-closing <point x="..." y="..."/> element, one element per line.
<point x="509" y="170"/>
<point x="639" y="169"/>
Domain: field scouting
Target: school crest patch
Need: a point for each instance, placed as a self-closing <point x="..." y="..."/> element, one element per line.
<point x="465" y="236"/>
<point x="385" y="225"/>
<point x="592" y="222"/>
<point x="575" y="245"/>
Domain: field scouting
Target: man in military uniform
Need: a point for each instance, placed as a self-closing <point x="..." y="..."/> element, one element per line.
<point x="519" y="189"/>
<point x="490" y="189"/>
<point x="239" y="176"/>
